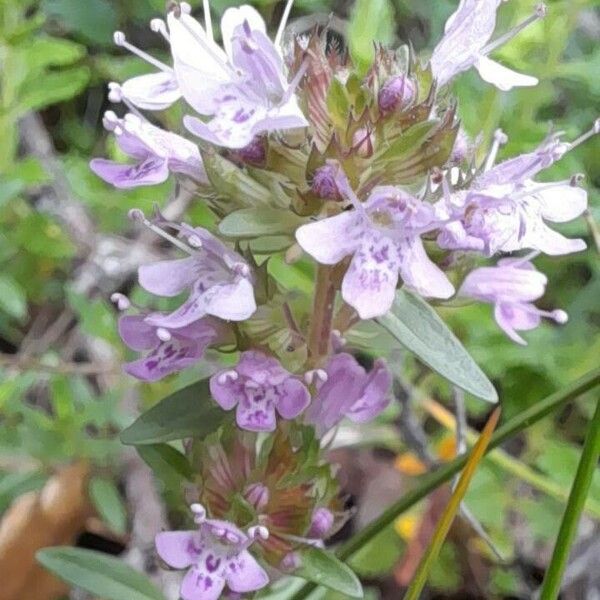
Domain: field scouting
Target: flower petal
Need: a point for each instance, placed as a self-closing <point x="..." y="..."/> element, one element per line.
<point x="370" y="282"/>
<point x="420" y="273"/>
<point x="502" y="77"/>
<point x="225" y="394"/>
<point x="234" y="17"/>
<point x="513" y="317"/>
<point x="152" y="171"/>
<point x="155" y="91"/>
<point x="330" y="240"/>
<point x="168" y="277"/>
<point x="561" y="203"/>
<point x="179" y="549"/>
<point x="375" y="396"/>
<point x="245" y="574"/>
<point x="136" y="333"/>
<point x="199" y="585"/>
<point x="551" y="242"/>
<point x="294" y="398"/>
<point x="231" y="301"/>
<point x="256" y="413"/>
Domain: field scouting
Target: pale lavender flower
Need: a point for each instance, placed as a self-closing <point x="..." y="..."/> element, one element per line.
<point x="321" y="523"/>
<point x="349" y="391"/>
<point x="466" y="44"/>
<point x="168" y="350"/>
<point x="219" y="280"/>
<point x="512" y="286"/>
<point x="154" y="91"/>
<point x="505" y="210"/>
<point x="384" y="237"/>
<point x="158" y="153"/>
<point x="244" y="87"/>
<point x="260" y="387"/>
<point x="216" y="555"/>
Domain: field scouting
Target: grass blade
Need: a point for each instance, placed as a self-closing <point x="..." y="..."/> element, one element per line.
<point x="447" y="518"/>
<point x="568" y="527"/>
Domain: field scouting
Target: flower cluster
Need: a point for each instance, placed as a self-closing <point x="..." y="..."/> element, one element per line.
<point x="298" y="153"/>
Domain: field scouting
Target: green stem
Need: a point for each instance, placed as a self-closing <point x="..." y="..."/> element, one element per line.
<point x="568" y="527"/>
<point x="322" y="317"/>
<point x="433" y="480"/>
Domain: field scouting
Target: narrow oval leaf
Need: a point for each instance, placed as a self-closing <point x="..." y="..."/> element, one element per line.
<point x="167" y="463"/>
<point x="187" y="413"/>
<point x="98" y="574"/>
<point x="323" y="568"/>
<point x="421" y="330"/>
<point x="107" y="501"/>
<point x="259" y="221"/>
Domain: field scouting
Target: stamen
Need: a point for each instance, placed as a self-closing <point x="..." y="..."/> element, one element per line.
<point x="347" y="192"/>
<point x="524" y="259"/>
<point x="120" y="301"/>
<point x="121" y="40"/>
<point x="258" y="531"/>
<point x="295" y="82"/>
<point x="284" y="22"/>
<point x="500" y="138"/>
<point x="595" y="130"/>
<point x="208" y="20"/>
<point x="199" y="513"/>
<point x="186" y="8"/>
<point x="224" y="378"/>
<point x="163" y="334"/>
<point x="159" y="26"/>
<point x="539" y="13"/>
<point x="115" y="95"/>
<point x="194" y="241"/>
<point x="136" y="214"/>
<point x="576" y="180"/>
<point x="110" y="121"/>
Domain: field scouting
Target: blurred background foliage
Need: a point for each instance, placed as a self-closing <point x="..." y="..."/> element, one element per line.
<point x="61" y="393"/>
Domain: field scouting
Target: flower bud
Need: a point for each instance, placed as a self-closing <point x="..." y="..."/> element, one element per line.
<point x="257" y="494"/>
<point x="321" y="523"/>
<point x="324" y="184"/>
<point x="290" y="562"/>
<point x="255" y="153"/>
<point x="397" y="93"/>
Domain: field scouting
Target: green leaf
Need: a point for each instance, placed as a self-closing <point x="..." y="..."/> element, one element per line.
<point x="107" y="501"/>
<point x="97" y="573"/>
<point x="186" y="413"/>
<point x="372" y="21"/>
<point x="259" y="221"/>
<point x="52" y="52"/>
<point x="421" y="330"/>
<point x="12" y="297"/>
<point x="323" y="568"/>
<point x="52" y="88"/>
<point x="166" y="462"/>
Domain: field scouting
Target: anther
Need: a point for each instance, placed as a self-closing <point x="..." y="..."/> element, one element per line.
<point x="594" y="130"/>
<point x="560" y="316"/>
<point x="199" y="513"/>
<point x="258" y="531"/>
<point x="194" y="241"/>
<point x="135" y="214"/>
<point x="115" y="93"/>
<point x="576" y="180"/>
<point x="121" y="40"/>
<point x="164" y="335"/>
<point x="110" y="121"/>
<point x="159" y="26"/>
<point x="226" y="377"/>
<point x="120" y="301"/>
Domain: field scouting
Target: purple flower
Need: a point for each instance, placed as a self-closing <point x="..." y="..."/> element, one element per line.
<point x="259" y="386"/>
<point x="168" y="350"/>
<point x="397" y="93"/>
<point x="465" y="45"/>
<point x="321" y="523"/>
<point x="505" y="210"/>
<point x="511" y="287"/>
<point x="244" y="87"/>
<point x="384" y="237"/>
<point x="156" y="151"/>
<point x="216" y="555"/>
<point x="349" y="391"/>
<point x="155" y="91"/>
<point x="219" y="280"/>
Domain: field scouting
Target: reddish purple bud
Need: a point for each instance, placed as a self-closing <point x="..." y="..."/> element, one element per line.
<point x="257" y="494"/>
<point x="290" y="562"/>
<point x="397" y="92"/>
<point x="255" y="153"/>
<point x="324" y="183"/>
<point x="321" y="523"/>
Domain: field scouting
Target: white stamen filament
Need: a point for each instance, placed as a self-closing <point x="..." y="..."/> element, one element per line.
<point x="524" y="259"/>
<point x="159" y="26"/>
<point x="284" y="22"/>
<point x="539" y="13"/>
<point x="500" y="138"/>
<point x="138" y="215"/>
<point x="595" y="130"/>
<point x="295" y="82"/>
<point x="208" y="20"/>
<point x="121" y="40"/>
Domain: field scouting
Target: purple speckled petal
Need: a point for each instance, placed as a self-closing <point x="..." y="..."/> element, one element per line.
<point x="152" y="171"/>
<point x="200" y="585"/>
<point x="256" y="409"/>
<point x="179" y="549"/>
<point x="136" y="333"/>
<point x="370" y="282"/>
<point x="375" y="397"/>
<point x="261" y="368"/>
<point x="245" y="574"/>
<point x="294" y="398"/>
